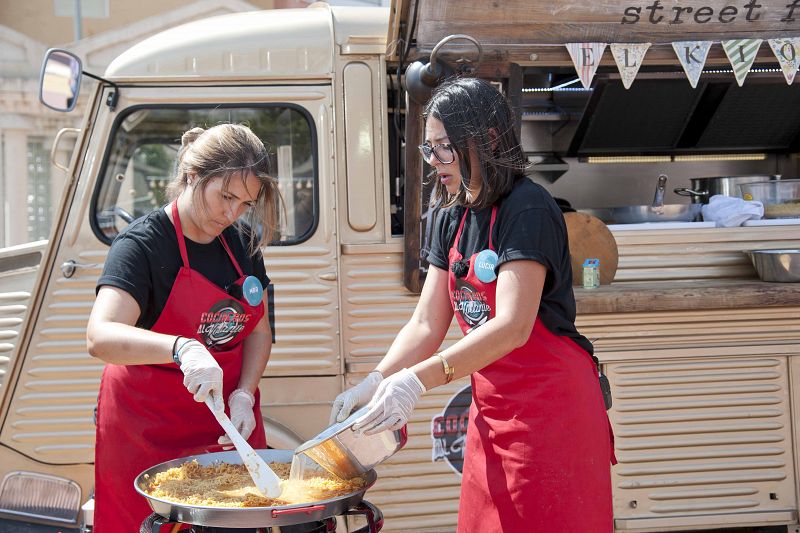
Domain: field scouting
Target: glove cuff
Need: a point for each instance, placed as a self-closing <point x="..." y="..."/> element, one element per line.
<point x="416" y="380"/>
<point x="243" y="392"/>
<point x="375" y="377"/>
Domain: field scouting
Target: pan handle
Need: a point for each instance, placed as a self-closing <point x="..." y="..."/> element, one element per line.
<point x="683" y="191"/>
<point x="298" y="510"/>
<point x="153" y="523"/>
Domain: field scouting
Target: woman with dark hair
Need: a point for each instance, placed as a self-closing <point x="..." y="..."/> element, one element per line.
<point x="539" y="445"/>
<point x="179" y="318"/>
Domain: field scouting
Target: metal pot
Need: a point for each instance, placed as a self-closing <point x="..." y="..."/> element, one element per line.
<point x="634" y="214"/>
<point x="702" y="189"/>
<point x="343" y="453"/>
<point x="246" y="517"/>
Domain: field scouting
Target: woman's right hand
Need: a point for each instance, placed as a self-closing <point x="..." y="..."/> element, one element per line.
<point x="354" y="397"/>
<point x="201" y="373"/>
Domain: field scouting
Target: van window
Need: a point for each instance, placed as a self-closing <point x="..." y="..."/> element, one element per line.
<point x="142" y="156"/>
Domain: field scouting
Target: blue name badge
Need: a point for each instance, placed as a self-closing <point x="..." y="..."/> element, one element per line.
<point x="485" y="263"/>
<point x="252" y="291"/>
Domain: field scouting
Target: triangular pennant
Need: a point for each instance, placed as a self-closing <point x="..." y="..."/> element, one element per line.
<point x="629" y="58"/>
<point x="787" y="50"/>
<point x="586" y="57"/>
<point x="692" y="55"/>
<point x="741" y="53"/>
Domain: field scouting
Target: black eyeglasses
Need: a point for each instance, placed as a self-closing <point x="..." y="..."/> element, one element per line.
<point x="443" y="152"/>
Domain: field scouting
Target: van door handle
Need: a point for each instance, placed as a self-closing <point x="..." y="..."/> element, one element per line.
<point x="328" y="276"/>
<point x="68" y="268"/>
<point x="54" y="148"/>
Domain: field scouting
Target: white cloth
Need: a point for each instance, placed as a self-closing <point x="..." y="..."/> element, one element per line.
<point x="201" y="373"/>
<point x="392" y="404"/>
<point x="241" y="403"/>
<point x="728" y="211"/>
<point x="355" y="396"/>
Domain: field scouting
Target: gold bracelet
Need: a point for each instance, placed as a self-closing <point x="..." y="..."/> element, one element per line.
<point x="448" y="370"/>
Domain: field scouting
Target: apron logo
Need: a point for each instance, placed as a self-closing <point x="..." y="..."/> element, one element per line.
<point x="470" y="304"/>
<point x="222" y="323"/>
<point x="449" y="430"/>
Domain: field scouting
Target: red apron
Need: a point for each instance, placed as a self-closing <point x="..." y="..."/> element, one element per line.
<point x="146" y="416"/>
<point x="538" y="439"/>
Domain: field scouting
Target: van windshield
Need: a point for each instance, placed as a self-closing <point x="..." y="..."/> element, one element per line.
<point x="142" y="157"/>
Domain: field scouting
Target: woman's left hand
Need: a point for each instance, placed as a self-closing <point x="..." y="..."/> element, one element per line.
<point x="392" y="404"/>
<point x="241" y="404"/>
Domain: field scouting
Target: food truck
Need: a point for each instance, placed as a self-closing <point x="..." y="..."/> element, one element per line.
<point x="702" y="354"/>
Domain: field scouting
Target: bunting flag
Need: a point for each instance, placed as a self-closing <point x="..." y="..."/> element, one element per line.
<point x="741" y="53"/>
<point x="692" y="55"/>
<point x="787" y="50"/>
<point x="586" y="57"/>
<point x="629" y="58"/>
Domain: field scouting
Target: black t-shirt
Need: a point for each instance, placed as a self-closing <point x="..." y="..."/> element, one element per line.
<point x="144" y="260"/>
<point x="529" y="225"/>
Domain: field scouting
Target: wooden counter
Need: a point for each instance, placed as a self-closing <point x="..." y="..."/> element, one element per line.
<point x="685" y="295"/>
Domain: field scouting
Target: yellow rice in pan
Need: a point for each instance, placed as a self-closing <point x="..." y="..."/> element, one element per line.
<point x="228" y="485"/>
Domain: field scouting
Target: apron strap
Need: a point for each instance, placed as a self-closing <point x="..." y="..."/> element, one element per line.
<point x="179" y="233"/>
<point x="230" y="255"/>
<point x="491" y="226"/>
<point x="182" y="244"/>
<point x="460" y="228"/>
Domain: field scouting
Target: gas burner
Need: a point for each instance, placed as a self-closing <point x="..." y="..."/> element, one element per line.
<point x="153" y="523"/>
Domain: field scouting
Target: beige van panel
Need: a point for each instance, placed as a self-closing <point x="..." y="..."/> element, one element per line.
<point x="50" y="413"/>
<point x="362" y="141"/>
<point x="254" y="44"/>
<point x="375" y="304"/>
<point x="360" y="147"/>
<point x="702" y="437"/>
<point x="18" y="268"/>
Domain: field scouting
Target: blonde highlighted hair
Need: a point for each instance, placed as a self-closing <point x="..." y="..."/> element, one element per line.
<point x="223" y="152"/>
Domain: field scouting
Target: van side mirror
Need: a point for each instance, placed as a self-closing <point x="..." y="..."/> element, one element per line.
<point x="60" y="80"/>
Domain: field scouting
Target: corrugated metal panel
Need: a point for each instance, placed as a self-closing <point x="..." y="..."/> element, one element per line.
<point x="52" y="407"/>
<point x="413" y="492"/>
<point x="696" y="329"/>
<point x="18" y="268"/>
<point x="700" y="438"/>
<point x="703" y="253"/>
<point x="306" y="310"/>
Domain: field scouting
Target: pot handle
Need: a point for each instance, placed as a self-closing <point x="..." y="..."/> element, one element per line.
<point x="298" y="510"/>
<point x="683" y="191"/>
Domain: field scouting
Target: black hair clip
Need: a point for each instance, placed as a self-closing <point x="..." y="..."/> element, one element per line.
<point x="460" y="268"/>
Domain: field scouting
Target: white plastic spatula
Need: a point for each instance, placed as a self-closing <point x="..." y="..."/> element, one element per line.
<point x="267" y="482"/>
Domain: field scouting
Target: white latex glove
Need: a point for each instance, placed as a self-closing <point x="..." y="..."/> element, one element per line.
<point x="201" y="373"/>
<point x="355" y="396"/>
<point x="392" y="404"/>
<point x="241" y="404"/>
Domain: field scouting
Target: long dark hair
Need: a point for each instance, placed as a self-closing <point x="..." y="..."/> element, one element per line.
<point x="479" y="122"/>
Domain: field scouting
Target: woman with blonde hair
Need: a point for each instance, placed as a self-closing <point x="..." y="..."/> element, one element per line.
<point x="179" y="318"/>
